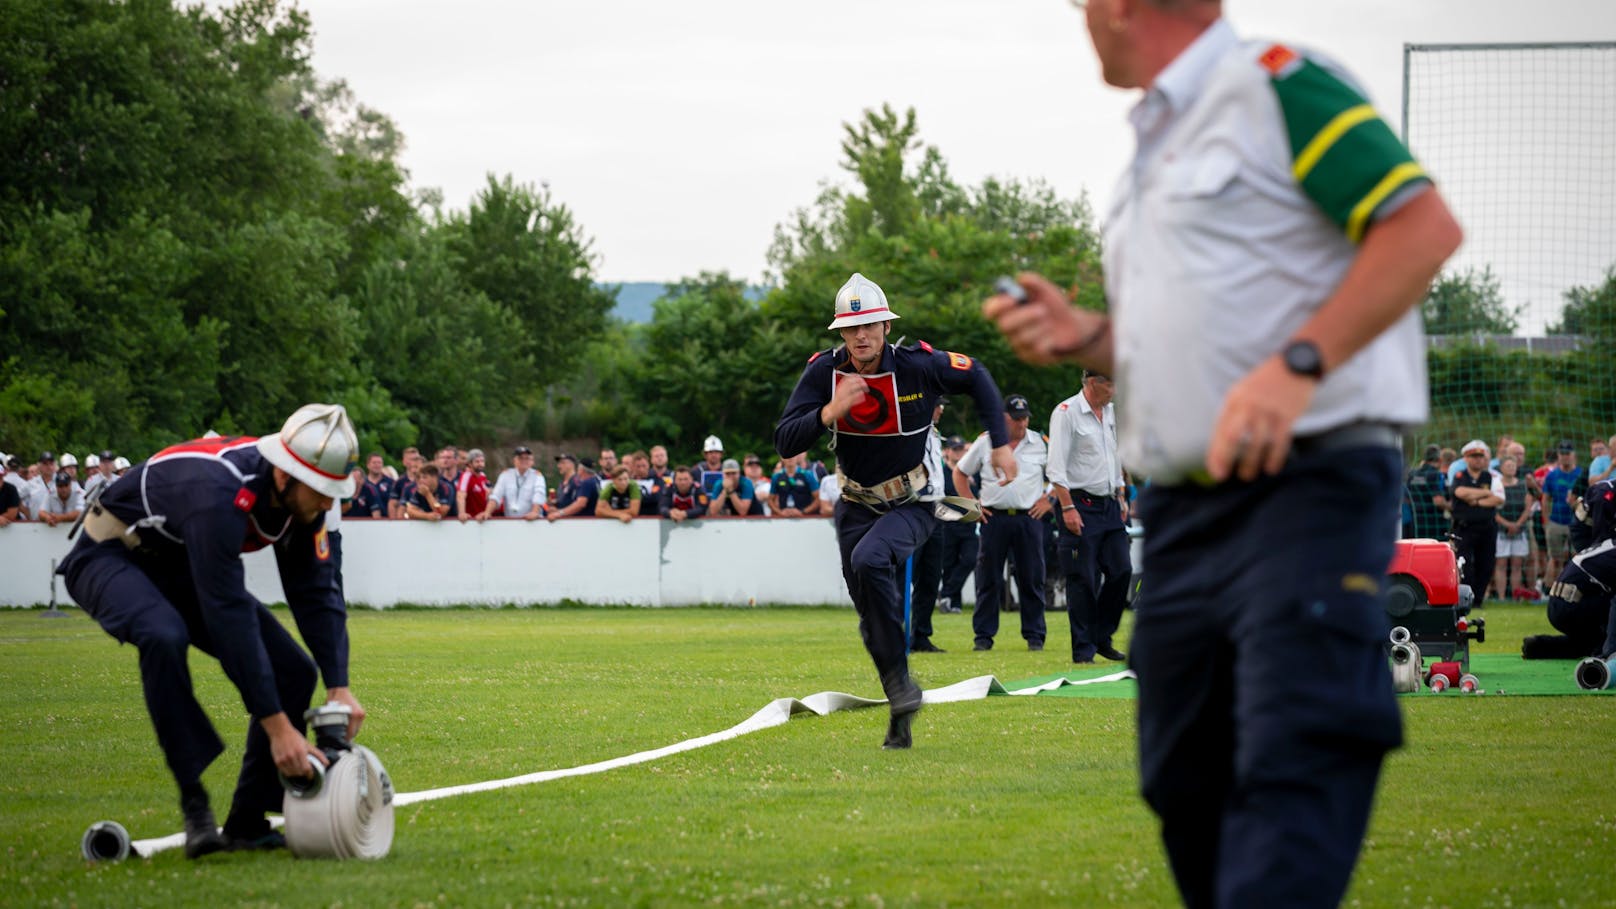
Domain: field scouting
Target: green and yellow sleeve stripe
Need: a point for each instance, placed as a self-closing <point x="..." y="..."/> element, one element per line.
<point x="1344" y="156"/>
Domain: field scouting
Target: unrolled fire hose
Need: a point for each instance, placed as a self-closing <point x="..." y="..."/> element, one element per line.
<point x="109" y="841"/>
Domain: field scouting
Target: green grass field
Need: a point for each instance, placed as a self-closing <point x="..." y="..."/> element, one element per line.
<point x="1005" y="802"/>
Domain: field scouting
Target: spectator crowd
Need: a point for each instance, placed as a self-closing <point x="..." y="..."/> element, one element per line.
<point x="1510" y="518"/>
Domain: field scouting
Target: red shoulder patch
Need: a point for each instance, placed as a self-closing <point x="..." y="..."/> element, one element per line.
<point x="926" y="347"/>
<point x="815" y="355"/>
<point x="959" y="361"/>
<point x="1277" y="58"/>
<point x="1063" y="405"/>
<point x="245" y="499"/>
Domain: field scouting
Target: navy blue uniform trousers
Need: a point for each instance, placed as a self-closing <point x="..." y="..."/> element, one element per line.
<point x="928" y="570"/>
<point x="959" y="560"/>
<point x="1021" y="537"/>
<point x="874" y="548"/>
<point x="1097" y="567"/>
<point x="150" y="601"/>
<point x="1265" y="700"/>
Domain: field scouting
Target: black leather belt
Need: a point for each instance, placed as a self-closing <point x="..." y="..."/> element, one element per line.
<point x="1352" y="435"/>
<point x="1009" y="511"/>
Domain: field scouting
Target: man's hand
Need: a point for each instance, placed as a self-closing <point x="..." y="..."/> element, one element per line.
<point x="1048" y="329"/>
<point x="1039" y="508"/>
<point x="357" y="718"/>
<point x="531" y="516"/>
<point x="624" y="516"/>
<point x="677" y="514"/>
<point x="1253" y="433"/>
<point x="789" y="512"/>
<point x="290" y="748"/>
<point x="466" y="517"/>
<point x="1072" y="520"/>
<point x="1123" y="503"/>
<point x="849" y="392"/>
<point x="1004" y="465"/>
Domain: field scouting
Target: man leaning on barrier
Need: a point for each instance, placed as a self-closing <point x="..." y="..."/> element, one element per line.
<point x="159" y="566"/>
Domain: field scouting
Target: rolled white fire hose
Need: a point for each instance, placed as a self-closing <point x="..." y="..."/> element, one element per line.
<point x="348" y="815"/>
<point x="1406" y="666"/>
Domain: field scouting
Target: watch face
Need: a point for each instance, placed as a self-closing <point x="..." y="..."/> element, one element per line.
<point x="1302" y="358"/>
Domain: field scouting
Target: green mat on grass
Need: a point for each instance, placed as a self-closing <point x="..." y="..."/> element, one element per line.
<point x="1499" y="674"/>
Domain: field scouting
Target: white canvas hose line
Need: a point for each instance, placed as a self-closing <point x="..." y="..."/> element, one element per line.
<point x="775" y="713"/>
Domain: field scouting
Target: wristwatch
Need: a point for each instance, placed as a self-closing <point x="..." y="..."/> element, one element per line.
<point x="1303" y="358"/>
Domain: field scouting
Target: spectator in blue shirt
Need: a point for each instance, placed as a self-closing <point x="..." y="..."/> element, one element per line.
<point x="584" y="491"/>
<point x="794" y="491"/>
<point x="735" y="492"/>
<point x="1557" y="485"/>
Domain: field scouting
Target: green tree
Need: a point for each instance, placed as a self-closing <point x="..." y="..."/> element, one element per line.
<point x="935" y="247"/>
<point x="1468" y="303"/>
<point x="526" y="252"/>
<point x="1589" y="311"/>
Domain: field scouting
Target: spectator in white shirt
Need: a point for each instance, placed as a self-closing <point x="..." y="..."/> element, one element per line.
<point x="64" y="503"/>
<point x="519" y="488"/>
<point x="102" y="475"/>
<point x="1089" y="487"/>
<point x="1013" y="526"/>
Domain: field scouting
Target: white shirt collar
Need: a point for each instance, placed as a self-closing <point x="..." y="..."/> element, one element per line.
<point x="1179" y="85"/>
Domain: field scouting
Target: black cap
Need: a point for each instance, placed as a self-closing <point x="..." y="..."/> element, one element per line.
<point x="522" y="450"/>
<point x="954" y="442"/>
<point x="1565" y="445"/>
<point x="47" y="456"/>
<point x="1016" y="406"/>
<point x="106" y="454"/>
<point x="586" y="464"/>
<point x="62" y="479"/>
<point x="1096" y="374"/>
<point x="1433" y="452"/>
<point x="565" y="457"/>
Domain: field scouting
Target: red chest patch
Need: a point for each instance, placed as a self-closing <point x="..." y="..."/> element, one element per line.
<point x="245" y="499"/>
<point x="877" y="414"/>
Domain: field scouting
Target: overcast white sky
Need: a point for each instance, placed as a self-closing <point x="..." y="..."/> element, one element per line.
<point x="682" y="133"/>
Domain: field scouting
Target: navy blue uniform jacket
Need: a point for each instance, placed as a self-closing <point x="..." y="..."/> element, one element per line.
<point x="886" y="435"/>
<point x="201" y="505"/>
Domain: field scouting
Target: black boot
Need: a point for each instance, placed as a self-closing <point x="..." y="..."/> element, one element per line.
<point x="202" y="834"/>
<point x="904" y="700"/>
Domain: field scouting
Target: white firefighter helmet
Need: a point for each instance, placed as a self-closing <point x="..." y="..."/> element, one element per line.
<point x="67" y="460"/>
<point x="859" y="302"/>
<point x="92" y="461"/>
<point x="318" y="447"/>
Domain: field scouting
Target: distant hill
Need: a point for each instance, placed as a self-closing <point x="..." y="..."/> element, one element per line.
<point x="634" y="299"/>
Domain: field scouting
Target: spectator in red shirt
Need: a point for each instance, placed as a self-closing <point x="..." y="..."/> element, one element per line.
<point x="471" y="491"/>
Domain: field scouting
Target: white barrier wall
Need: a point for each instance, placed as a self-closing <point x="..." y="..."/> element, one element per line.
<point x="647" y="562"/>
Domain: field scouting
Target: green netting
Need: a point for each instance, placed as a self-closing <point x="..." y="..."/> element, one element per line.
<point x="1521" y="139"/>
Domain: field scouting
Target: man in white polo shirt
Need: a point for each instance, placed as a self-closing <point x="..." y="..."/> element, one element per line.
<point x="1086" y="475"/>
<point x="1012" y="527"/>
<point x="1265" y="251"/>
